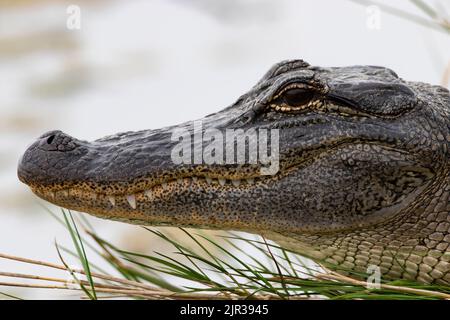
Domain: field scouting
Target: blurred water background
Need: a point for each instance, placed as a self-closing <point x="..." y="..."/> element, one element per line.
<point x="146" y="64"/>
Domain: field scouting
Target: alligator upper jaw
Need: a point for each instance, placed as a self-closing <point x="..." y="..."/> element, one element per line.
<point x="149" y="199"/>
<point x="119" y="164"/>
<point x="60" y="169"/>
<point x="89" y="184"/>
<point x="120" y="174"/>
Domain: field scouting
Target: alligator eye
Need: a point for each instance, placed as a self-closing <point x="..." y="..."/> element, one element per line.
<point x="297" y="97"/>
<point x="294" y="97"/>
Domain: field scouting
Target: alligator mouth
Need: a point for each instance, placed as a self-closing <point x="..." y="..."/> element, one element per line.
<point x="132" y="200"/>
<point x="148" y="205"/>
<point x="129" y="195"/>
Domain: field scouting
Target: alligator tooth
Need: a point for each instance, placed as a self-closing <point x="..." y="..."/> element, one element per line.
<point x="112" y="200"/>
<point x="180" y="180"/>
<point x="94" y="196"/>
<point x="250" y="180"/>
<point x="222" y="182"/>
<point x="236" y="182"/>
<point x="52" y="194"/>
<point x="194" y="179"/>
<point x="148" y="194"/>
<point x="164" y="185"/>
<point x="208" y="179"/>
<point x="132" y="201"/>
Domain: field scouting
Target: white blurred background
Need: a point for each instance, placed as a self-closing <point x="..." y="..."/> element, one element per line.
<point x="146" y="64"/>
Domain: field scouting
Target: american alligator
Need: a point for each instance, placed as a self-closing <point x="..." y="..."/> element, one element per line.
<point x="363" y="171"/>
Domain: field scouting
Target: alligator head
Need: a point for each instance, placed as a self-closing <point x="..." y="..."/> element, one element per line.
<point x="358" y="153"/>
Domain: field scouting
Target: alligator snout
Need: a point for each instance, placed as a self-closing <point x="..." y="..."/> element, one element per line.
<point x="44" y="160"/>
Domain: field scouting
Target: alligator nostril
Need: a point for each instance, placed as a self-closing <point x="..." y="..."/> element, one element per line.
<point x="50" y="139"/>
<point x="56" y="140"/>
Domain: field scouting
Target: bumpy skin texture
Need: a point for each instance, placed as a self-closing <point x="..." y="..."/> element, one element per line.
<point x="363" y="180"/>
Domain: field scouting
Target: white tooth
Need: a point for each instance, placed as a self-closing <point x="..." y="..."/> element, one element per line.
<point x="132" y="201"/>
<point x="209" y="180"/>
<point x="236" y="182"/>
<point x="164" y="185"/>
<point x="65" y="193"/>
<point x="222" y="182"/>
<point x="148" y="194"/>
<point x="250" y="181"/>
<point x="194" y="179"/>
<point x="112" y="200"/>
<point x="180" y="180"/>
<point x="52" y="194"/>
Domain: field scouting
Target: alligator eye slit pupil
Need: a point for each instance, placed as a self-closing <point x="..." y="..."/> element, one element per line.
<point x="297" y="97"/>
<point x="50" y="139"/>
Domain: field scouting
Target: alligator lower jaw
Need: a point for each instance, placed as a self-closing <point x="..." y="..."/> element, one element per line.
<point x="149" y="207"/>
<point x="78" y="198"/>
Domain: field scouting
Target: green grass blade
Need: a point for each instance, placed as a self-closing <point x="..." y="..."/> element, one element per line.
<point x="78" y="243"/>
<point x="86" y="291"/>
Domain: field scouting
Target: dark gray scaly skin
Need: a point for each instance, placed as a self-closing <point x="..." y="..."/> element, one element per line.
<point x="363" y="179"/>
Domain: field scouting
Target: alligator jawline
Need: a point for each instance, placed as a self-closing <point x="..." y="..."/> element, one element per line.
<point x="59" y="195"/>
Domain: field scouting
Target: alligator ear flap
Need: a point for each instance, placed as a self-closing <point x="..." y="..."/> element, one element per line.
<point x="378" y="98"/>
